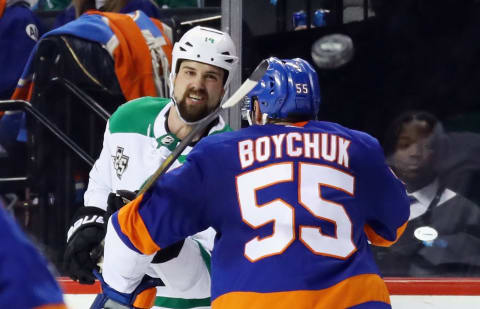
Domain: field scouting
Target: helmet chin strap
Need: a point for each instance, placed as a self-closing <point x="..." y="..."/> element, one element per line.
<point x="264" y="118"/>
<point x="250" y="120"/>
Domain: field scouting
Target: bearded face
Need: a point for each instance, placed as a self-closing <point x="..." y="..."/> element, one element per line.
<point x="190" y="106"/>
<point x="198" y="89"/>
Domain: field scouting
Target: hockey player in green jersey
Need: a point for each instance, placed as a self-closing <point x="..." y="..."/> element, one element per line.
<point x="138" y="138"/>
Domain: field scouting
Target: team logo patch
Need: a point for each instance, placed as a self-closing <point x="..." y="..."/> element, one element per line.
<point x="120" y="162"/>
<point x="32" y="31"/>
<point x="167" y="140"/>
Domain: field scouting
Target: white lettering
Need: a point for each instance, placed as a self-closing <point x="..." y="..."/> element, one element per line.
<point x="343" y="145"/>
<point x="291" y="150"/>
<point x="74" y="227"/>
<point x="83" y="221"/>
<point x="245" y="152"/>
<point x="262" y="149"/>
<point x="87" y="220"/>
<point x="329" y="150"/>
<point x="322" y="146"/>
<point x="278" y="140"/>
<point x="311" y="146"/>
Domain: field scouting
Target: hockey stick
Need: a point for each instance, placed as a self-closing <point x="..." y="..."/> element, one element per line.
<point x="241" y="92"/>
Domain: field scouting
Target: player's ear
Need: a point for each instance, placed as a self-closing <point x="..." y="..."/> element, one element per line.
<point x="257" y="114"/>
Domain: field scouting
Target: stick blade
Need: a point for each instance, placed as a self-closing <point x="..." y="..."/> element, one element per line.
<point x="247" y="86"/>
<point x="259" y="71"/>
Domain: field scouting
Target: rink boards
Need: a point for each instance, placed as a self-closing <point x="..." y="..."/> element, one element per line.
<point x="407" y="293"/>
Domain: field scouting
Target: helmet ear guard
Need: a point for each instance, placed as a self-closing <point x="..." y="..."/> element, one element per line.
<point x="288" y="88"/>
<point x="251" y="112"/>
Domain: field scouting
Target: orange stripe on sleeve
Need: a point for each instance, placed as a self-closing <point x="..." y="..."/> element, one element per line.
<point x="300" y="124"/>
<point x="378" y="240"/>
<point x="132" y="225"/>
<point x="146" y="299"/>
<point x="58" y="306"/>
<point x="350" y="292"/>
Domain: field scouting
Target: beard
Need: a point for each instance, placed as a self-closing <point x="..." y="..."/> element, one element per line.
<point x="193" y="112"/>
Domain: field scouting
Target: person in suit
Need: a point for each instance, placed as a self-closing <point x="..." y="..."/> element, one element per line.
<point x="443" y="235"/>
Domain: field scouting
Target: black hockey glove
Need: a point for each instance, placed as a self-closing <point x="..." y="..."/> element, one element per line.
<point x="84" y="248"/>
<point x="118" y="200"/>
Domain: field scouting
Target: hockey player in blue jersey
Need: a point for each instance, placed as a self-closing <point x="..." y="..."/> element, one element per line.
<point x="19" y="30"/>
<point x="294" y="203"/>
<point x="25" y="281"/>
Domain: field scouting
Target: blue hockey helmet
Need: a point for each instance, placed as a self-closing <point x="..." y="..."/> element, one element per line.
<point x="288" y="88"/>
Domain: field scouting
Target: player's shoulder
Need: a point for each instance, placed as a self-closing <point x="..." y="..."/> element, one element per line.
<point x="136" y="115"/>
<point x="220" y="127"/>
<point x="19" y="16"/>
<point x="20" y="6"/>
<point x="215" y="139"/>
<point x="363" y="148"/>
<point x="359" y="138"/>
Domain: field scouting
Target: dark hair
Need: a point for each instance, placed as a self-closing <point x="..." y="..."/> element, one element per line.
<point x="393" y="131"/>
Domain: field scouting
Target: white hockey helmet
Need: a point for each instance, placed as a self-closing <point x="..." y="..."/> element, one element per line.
<point x="208" y="46"/>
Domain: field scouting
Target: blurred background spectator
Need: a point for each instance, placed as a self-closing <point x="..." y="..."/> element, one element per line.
<point x="443" y="234"/>
<point x="19" y="30"/>
<point x="78" y="7"/>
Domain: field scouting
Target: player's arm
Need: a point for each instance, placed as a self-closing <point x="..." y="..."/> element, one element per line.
<point x="388" y="205"/>
<point x="100" y="177"/>
<point x="88" y="224"/>
<point x="172" y="209"/>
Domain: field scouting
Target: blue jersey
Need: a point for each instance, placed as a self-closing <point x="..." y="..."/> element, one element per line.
<point x="19" y="30"/>
<point x="294" y="208"/>
<point x="25" y="281"/>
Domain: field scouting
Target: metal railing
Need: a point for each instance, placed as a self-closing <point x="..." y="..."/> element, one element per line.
<point x="9" y="105"/>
